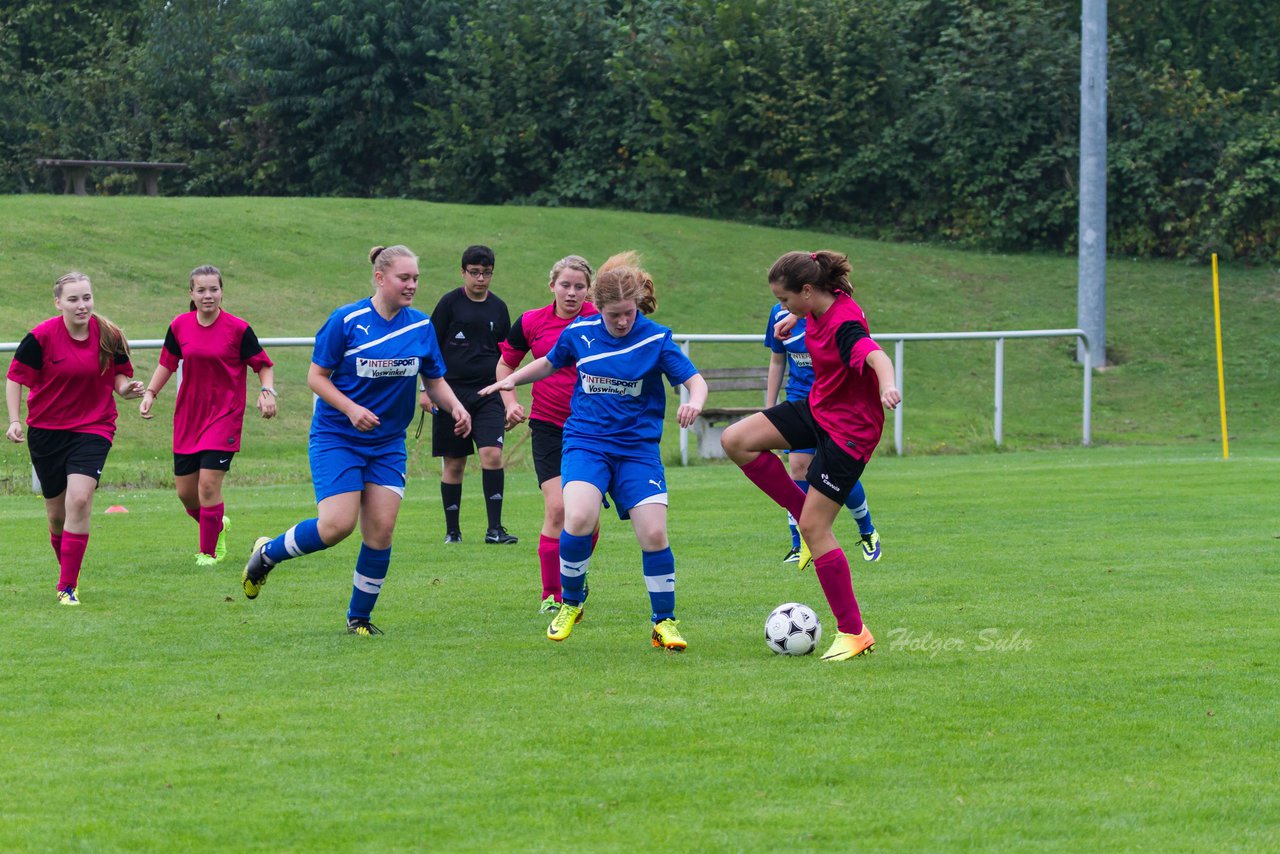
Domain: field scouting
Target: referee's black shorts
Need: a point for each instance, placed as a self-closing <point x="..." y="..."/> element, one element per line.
<point x="488" y="421"/>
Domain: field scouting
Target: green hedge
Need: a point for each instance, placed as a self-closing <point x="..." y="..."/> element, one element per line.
<point x="924" y="119"/>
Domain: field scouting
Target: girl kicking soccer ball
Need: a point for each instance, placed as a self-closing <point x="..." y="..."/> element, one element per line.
<point x="841" y="420"/>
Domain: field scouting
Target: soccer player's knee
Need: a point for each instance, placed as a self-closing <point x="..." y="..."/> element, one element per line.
<point x="334" y="531"/>
<point x="731" y="439"/>
<point x="811" y="531"/>
<point x="78" y="504"/>
<point x="580" y="523"/>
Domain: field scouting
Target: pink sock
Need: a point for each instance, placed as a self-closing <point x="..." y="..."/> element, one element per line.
<point x="55" y="540"/>
<point x="837" y="585"/>
<point x="595" y="538"/>
<point x="70" y="558"/>
<point x="549" y="563"/>
<point x="767" y="472"/>
<point x="193" y="513"/>
<point x="210" y="527"/>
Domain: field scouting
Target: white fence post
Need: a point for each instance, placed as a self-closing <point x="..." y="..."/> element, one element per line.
<point x="899" y="417"/>
<point x="999" y="391"/>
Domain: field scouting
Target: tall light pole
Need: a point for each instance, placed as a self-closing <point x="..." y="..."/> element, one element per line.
<point x="1091" y="292"/>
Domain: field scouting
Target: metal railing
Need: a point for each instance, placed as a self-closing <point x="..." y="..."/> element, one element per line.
<point x="900" y="339"/>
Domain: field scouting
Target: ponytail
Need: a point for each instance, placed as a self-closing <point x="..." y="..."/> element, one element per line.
<point x="111" y="341"/>
<point x="622" y="278"/>
<point x="825" y="270"/>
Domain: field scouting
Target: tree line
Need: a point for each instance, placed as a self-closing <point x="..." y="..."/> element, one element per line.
<point x="907" y="119"/>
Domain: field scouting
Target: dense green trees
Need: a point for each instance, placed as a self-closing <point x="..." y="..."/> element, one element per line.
<point x="936" y="119"/>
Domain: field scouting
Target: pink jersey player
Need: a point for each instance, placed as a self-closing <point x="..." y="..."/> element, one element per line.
<point x="841" y="419"/>
<point x="72" y="364"/>
<point x="215" y="349"/>
<point x="536" y="331"/>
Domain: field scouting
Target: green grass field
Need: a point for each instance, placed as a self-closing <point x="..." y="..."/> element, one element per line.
<point x="1076" y="646"/>
<point x="1076" y="651"/>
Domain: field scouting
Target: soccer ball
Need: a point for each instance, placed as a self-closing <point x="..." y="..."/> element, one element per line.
<point x="792" y="629"/>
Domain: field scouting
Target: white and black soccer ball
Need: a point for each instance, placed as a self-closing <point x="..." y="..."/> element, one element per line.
<point x="792" y="629"/>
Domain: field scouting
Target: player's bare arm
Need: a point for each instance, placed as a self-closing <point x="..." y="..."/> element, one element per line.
<point x="318" y="380"/>
<point x="538" y="369"/>
<point x="879" y="361"/>
<point x="515" y="413"/>
<point x="689" y="412"/>
<point x="441" y="394"/>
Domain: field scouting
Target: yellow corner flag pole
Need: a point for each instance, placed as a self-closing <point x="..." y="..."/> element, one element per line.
<point x="1217" y="328"/>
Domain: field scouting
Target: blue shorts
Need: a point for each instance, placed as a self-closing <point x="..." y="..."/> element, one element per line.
<point x="630" y="482"/>
<point x="338" y="465"/>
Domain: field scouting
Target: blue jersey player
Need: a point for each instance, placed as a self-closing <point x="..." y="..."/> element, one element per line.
<point x="791" y="353"/>
<point x="364" y="371"/>
<point x="611" y="436"/>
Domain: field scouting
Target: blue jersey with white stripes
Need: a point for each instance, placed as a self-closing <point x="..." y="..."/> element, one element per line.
<point x="376" y="363"/>
<point x="799" y="362"/>
<point x="619" y="399"/>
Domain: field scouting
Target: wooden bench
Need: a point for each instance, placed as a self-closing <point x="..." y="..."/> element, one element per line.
<point x="711" y="423"/>
<point x="74" y="172"/>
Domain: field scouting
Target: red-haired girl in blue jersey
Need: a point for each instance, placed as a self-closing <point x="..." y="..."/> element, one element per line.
<point x="611" y="436"/>
<point x="537" y="331"/>
<point x="72" y="364"/>
<point x="842" y="420"/>
<point x="215" y="349"/>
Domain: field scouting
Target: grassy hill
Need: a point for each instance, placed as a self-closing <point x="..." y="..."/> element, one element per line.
<point x="289" y="262"/>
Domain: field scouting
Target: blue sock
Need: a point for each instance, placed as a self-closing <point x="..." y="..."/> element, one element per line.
<point x="795" y="532"/>
<point x="302" y="539"/>
<point x="857" y="504"/>
<point x="660" y="579"/>
<point x="575" y="555"/>
<point x="371" y="571"/>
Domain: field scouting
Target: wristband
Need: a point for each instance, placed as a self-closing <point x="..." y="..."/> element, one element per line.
<point x="268" y="390"/>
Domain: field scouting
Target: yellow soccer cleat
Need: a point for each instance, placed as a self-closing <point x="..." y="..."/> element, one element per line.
<point x="256" y="569"/>
<point x="871" y="547"/>
<point x="203" y="560"/>
<point x="805" y="559"/>
<point x="566" y="618"/>
<point x="220" y="550"/>
<point x="68" y="597"/>
<point x="666" y="635"/>
<point x="849" y="646"/>
<point x="361" y="626"/>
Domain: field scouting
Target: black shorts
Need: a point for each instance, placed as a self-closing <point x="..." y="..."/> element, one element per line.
<point x="488" y="420"/>
<point x="833" y="471"/>
<point x="548" y="439"/>
<point x="58" y="453"/>
<point x="185" y="464"/>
